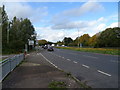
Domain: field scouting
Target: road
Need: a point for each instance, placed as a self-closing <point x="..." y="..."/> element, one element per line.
<point x="96" y="70"/>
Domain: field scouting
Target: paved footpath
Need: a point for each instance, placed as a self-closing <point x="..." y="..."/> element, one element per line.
<point x="36" y="72"/>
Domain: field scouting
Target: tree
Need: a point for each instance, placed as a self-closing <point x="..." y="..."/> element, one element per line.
<point x="59" y="43"/>
<point x="67" y="41"/>
<point x="42" y="42"/>
<point x="109" y="37"/>
<point x="15" y="34"/>
<point x="84" y="39"/>
<point x="93" y="41"/>
<point x="20" y="32"/>
<point x="4" y="25"/>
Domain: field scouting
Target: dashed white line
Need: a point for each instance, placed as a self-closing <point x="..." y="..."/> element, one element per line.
<point x="91" y="56"/>
<point x="114" y="61"/>
<point x="68" y="59"/>
<point x="74" y="61"/>
<point x="59" y="56"/>
<point x="85" y="66"/>
<point x="104" y="73"/>
<point x="63" y="57"/>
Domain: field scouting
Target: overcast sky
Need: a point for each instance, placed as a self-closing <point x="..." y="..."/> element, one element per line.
<point x="55" y="20"/>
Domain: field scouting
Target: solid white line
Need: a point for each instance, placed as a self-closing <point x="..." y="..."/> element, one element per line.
<point x="104" y="73"/>
<point x="74" y="61"/>
<point x="49" y="61"/>
<point x="68" y="59"/>
<point x="85" y="66"/>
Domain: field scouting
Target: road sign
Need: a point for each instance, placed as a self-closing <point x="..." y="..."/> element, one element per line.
<point x="31" y="42"/>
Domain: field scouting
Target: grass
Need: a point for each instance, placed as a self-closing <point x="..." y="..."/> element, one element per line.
<point x="94" y="50"/>
<point x="3" y="59"/>
<point x="57" y="85"/>
<point x="82" y="85"/>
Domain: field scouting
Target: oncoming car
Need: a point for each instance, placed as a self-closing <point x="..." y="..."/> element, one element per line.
<point x="50" y="48"/>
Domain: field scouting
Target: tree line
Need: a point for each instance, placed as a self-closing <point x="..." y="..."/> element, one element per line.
<point x="15" y="33"/>
<point x="110" y="37"/>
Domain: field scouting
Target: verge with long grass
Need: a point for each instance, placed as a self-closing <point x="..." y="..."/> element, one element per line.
<point x="94" y="50"/>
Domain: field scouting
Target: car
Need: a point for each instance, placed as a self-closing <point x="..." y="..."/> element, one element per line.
<point x="45" y="47"/>
<point x="42" y="46"/>
<point x="50" y="48"/>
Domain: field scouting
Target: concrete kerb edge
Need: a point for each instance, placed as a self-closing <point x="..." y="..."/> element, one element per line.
<point x="77" y="80"/>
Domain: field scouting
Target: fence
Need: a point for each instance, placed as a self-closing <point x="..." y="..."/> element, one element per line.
<point x="7" y="65"/>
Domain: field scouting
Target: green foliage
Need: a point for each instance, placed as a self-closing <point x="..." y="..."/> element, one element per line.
<point x="57" y="85"/>
<point x="42" y="42"/>
<point x="15" y="34"/>
<point x="109" y="38"/>
<point x="67" y="41"/>
<point x="93" y="41"/>
<point x="4" y="25"/>
<point x="94" y="50"/>
<point x="84" y="39"/>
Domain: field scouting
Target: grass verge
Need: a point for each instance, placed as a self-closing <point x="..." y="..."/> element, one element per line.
<point x="57" y="85"/>
<point x="94" y="50"/>
<point x="82" y="85"/>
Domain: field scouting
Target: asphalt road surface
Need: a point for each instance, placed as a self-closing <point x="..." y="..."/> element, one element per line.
<point x="96" y="70"/>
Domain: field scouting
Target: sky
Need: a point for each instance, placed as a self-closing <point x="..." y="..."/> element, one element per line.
<point x="55" y="20"/>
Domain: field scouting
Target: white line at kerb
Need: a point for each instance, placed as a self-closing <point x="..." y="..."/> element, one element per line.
<point x="85" y="66"/>
<point x="49" y="61"/>
<point x="104" y="73"/>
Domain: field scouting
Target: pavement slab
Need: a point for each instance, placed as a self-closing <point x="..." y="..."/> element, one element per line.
<point x="36" y="72"/>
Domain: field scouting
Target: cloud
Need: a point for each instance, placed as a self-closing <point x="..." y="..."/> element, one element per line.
<point x="23" y="10"/>
<point x="70" y="29"/>
<point x="61" y="19"/>
<point x="49" y="34"/>
<point x="78" y="24"/>
<point x="115" y="24"/>
<point x="85" y="8"/>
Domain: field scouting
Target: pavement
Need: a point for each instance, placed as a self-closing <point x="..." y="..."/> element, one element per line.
<point x="94" y="69"/>
<point x="36" y="72"/>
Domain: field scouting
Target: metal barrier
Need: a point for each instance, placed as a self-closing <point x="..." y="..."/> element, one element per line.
<point x="9" y="64"/>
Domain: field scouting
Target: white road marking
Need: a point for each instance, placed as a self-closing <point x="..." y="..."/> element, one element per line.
<point x="74" y="61"/>
<point x="115" y="61"/>
<point x="49" y="61"/>
<point x="90" y="56"/>
<point x="59" y="56"/>
<point x="104" y="73"/>
<point x="68" y="59"/>
<point x="63" y="57"/>
<point x="38" y="54"/>
<point x="85" y="66"/>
